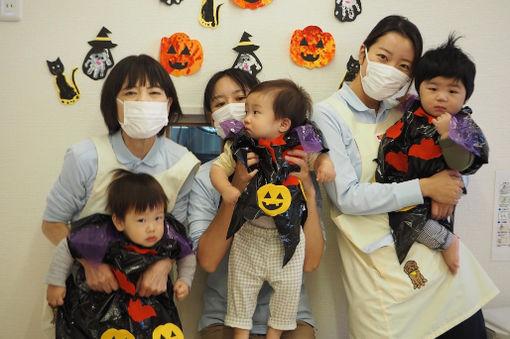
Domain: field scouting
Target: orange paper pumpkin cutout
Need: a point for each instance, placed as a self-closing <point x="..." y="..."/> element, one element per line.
<point x="251" y="4"/>
<point x="311" y="47"/>
<point x="180" y="55"/>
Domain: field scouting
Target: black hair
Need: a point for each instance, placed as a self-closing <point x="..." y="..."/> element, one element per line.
<point x="137" y="191"/>
<point x="290" y="100"/>
<point x="244" y="79"/>
<point x="136" y="69"/>
<point x="401" y="25"/>
<point x="447" y="61"/>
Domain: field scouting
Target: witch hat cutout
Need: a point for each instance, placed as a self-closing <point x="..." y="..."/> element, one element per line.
<point x="99" y="59"/>
<point x="246" y="59"/>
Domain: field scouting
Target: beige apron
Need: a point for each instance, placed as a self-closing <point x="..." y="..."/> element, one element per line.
<point x="419" y="298"/>
<point x="171" y="180"/>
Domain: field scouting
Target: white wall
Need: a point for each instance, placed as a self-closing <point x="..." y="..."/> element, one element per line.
<point x="37" y="129"/>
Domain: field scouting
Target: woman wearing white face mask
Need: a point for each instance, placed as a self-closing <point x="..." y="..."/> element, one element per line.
<point x="137" y="100"/>
<point x="418" y="299"/>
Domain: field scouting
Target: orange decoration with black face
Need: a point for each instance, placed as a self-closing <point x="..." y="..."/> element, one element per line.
<point x="180" y="55"/>
<point x="251" y="4"/>
<point x="311" y="47"/>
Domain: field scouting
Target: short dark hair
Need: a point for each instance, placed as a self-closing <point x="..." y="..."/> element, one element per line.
<point x="401" y="25"/>
<point x="244" y="79"/>
<point x="134" y="69"/>
<point x="137" y="191"/>
<point x="447" y="61"/>
<point x="290" y="100"/>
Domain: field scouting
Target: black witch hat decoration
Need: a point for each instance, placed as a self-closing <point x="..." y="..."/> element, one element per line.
<point x="99" y="59"/>
<point x="246" y="59"/>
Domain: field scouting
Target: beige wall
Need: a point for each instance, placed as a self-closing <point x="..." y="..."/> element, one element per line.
<point x="37" y="129"/>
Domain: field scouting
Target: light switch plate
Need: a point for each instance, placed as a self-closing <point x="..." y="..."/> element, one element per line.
<point x="10" y="10"/>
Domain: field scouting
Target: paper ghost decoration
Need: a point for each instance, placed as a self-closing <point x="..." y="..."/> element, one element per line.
<point x="311" y="47"/>
<point x="209" y="14"/>
<point x="171" y="2"/>
<point x="347" y="10"/>
<point x="99" y="58"/>
<point x="180" y="55"/>
<point x="246" y="59"/>
<point x="67" y="93"/>
<point x="252" y="4"/>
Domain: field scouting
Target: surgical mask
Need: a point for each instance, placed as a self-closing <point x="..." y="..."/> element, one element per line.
<point x="382" y="81"/>
<point x="144" y="119"/>
<point x="235" y="111"/>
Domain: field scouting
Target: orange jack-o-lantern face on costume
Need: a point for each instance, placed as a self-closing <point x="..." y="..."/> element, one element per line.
<point x="251" y="4"/>
<point x="180" y="55"/>
<point x="167" y="331"/>
<point x="273" y="199"/>
<point x="114" y="333"/>
<point x="311" y="47"/>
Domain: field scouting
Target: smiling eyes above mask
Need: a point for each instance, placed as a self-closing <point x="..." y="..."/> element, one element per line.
<point x="235" y="111"/>
<point x="144" y="119"/>
<point x="382" y="81"/>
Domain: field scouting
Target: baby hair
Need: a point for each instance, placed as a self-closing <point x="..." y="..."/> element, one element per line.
<point x="447" y="61"/>
<point x="137" y="191"/>
<point x="289" y="100"/>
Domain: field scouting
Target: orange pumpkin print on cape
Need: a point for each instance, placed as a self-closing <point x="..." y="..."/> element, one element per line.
<point x="180" y="55"/>
<point x="311" y="47"/>
<point x="252" y="4"/>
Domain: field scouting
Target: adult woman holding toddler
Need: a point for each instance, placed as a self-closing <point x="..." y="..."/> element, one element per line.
<point x="137" y="101"/>
<point x="419" y="298"/>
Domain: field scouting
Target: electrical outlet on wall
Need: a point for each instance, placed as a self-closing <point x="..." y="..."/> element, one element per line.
<point x="10" y="10"/>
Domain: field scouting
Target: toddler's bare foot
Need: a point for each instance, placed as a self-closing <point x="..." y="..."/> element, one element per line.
<point x="451" y="255"/>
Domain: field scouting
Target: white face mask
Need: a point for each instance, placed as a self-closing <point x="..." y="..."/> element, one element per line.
<point x="382" y="81"/>
<point x="235" y="111"/>
<point x="144" y="119"/>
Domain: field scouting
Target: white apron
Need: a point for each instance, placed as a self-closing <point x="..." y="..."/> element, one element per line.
<point x="419" y="298"/>
<point x="171" y="180"/>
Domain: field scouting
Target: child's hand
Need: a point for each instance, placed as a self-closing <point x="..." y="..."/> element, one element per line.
<point x="230" y="195"/>
<point x="325" y="171"/>
<point x="442" y="124"/>
<point x="55" y="295"/>
<point x="181" y="290"/>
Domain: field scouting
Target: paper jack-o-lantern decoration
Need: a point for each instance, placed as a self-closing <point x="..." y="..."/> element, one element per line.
<point x="273" y="199"/>
<point x="169" y="330"/>
<point x="114" y="333"/>
<point x="180" y="55"/>
<point x="252" y="4"/>
<point x="311" y="47"/>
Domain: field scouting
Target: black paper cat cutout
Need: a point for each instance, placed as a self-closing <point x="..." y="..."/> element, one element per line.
<point x="209" y="17"/>
<point x="68" y="93"/>
<point x="352" y="69"/>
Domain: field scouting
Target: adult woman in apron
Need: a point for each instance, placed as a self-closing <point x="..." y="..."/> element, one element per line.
<point x="420" y="298"/>
<point x="137" y="101"/>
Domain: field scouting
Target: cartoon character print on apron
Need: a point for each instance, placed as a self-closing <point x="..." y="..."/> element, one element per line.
<point x="418" y="298"/>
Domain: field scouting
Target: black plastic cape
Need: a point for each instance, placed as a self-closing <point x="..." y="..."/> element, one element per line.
<point x="409" y="150"/>
<point x="89" y="314"/>
<point x="271" y="171"/>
